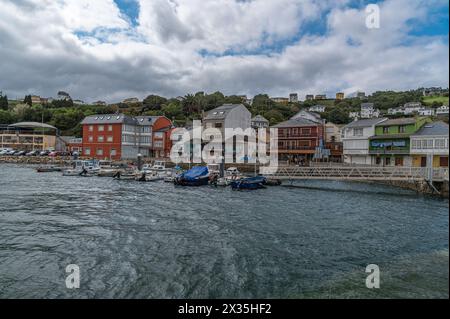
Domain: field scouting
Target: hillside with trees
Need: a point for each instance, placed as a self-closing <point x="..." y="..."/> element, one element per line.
<point x="66" y="116"/>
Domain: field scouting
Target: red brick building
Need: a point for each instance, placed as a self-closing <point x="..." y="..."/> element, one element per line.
<point x="119" y="136"/>
<point x="298" y="139"/>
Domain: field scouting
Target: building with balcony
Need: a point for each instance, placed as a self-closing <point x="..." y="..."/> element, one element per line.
<point x="390" y="146"/>
<point x="298" y="139"/>
<point x="355" y="137"/>
<point x="429" y="145"/>
<point x="28" y="136"/>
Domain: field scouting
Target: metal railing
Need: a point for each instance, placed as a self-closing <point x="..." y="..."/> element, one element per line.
<point x="358" y="173"/>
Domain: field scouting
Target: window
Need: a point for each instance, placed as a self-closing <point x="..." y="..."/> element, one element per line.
<point x="99" y="152"/>
<point x="306" y="131"/>
<point x="90" y="139"/>
<point x="402" y="129"/>
<point x="358" y="132"/>
<point x="109" y="139"/>
<point x="385" y="129"/>
<point x="87" y="151"/>
<point x="91" y="128"/>
<point x="110" y="128"/>
<point x="218" y="125"/>
<point x="113" y="152"/>
<point x="443" y="161"/>
<point x="440" y="143"/>
<point x="101" y="128"/>
<point x="304" y="143"/>
<point x="101" y="139"/>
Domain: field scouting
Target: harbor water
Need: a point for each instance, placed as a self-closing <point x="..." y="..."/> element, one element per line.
<point x="311" y="239"/>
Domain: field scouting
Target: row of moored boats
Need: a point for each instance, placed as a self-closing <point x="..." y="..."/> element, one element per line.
<point x="195" y="176"/>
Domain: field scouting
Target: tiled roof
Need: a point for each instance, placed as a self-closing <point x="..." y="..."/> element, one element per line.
<point x="432" y="129"/>
<point x="221" y="112"/>
<point x="366" y="122"/>
<point x="298" y="122"/>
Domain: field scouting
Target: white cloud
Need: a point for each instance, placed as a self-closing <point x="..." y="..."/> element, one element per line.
<point x="41" y="53"/>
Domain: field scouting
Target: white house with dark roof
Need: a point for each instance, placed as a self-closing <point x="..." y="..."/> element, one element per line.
<point x="355" y="137"/>
<point x="311" y="116"/>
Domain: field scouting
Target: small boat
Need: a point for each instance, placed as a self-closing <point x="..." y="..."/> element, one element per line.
<point x="125" y="175"/>
<point x="196" y="176"/>
<point x="83" y="168"/>
<point x="49" y="169"/>
<point x="153" y="177"/>
<point x="78" y="173"/>
<point x="158" y="166"/>
<point x="249" y="183"/>
<point x="107" y="172"/>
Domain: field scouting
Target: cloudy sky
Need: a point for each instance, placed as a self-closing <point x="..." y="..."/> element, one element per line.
<point x="114" y="49"/>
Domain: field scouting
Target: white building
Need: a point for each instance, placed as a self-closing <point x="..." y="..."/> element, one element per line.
<point x="317" y="108"/>
<point x="354" y="115"/>
<point x="259" y="121"/>
<point x="426" y="111"/>
<point x="368" y="111"/>
<point x="355" y="137"/>
<point x="442" y="110"/>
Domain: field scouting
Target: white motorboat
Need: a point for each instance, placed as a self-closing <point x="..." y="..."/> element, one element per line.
<point x="83" y="168"/>
<point x="149" y="177"/>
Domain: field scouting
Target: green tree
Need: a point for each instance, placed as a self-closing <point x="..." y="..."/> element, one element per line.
<point x="337" y="116"/>
<point x="27" y="100"/>
<point x="172" y="110"/>
<point x="4" y="103"/>
<point x="7" y="117"/>
<point x="153" y="102"/>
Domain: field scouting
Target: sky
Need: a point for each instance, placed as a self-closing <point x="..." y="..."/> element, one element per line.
<point x="116" y="49"/>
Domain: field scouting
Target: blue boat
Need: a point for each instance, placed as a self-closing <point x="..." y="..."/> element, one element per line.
<point x="196" y="176"/>
<point x="249" y="183"/>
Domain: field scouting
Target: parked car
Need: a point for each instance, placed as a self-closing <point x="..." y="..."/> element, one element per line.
<point x="20" y="153"/>
<point x="4" y="152"/>
<point x="12" y="152"/>
<point x="53" y="154"/>
<point x="44" y="153"/>
<point x="33" y="153"/>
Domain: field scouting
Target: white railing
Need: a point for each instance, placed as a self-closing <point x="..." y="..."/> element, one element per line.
<point x="374" y="173"/>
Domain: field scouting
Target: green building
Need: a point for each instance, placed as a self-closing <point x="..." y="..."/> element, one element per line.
<point x="391" y="143"/>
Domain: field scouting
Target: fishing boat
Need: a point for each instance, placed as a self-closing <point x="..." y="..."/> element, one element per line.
<point x="158" y="166"/>
<point x="231" y="174"/>
<point x="86" y="168"/>
<point x="196" y="176"/>
<point x="249" y="183"/>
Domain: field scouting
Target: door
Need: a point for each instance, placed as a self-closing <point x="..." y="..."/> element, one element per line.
<point x="443" y="161"/>
<point x="423" y="162"/>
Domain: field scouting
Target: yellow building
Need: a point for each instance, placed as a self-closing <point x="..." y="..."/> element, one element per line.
<point x="28" y="136"/>
<point x="430" y="145"/>
<point x="340" y="96"/>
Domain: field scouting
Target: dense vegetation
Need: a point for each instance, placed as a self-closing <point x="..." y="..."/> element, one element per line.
<point x="67" y="117"/>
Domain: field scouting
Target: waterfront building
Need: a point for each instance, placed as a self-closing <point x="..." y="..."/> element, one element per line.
<point x="28" y="136"/>
<point x="293" y="97"/>
<point x="71" y="144"/>
<point x="390" y="146"/>
<point x="119" y="136"/>
<point x="340" y="96"/>
<point x="355" y="138"/>
<point x="259" y="121"/>
<point x="299" y="139"/>
<point x="317" y="108"/>
<point x="429" y="145"/>
<point x="333" y="141"/>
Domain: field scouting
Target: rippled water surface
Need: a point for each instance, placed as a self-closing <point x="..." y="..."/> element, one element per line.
<point x="153" y="240"/>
